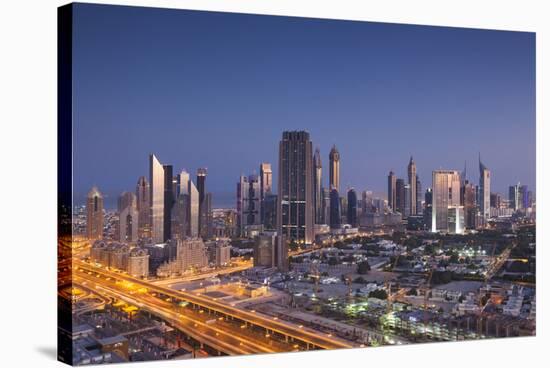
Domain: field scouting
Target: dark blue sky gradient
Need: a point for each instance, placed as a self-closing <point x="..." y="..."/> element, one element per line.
<point x="217" y="90"/>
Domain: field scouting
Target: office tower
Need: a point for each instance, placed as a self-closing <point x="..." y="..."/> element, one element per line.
<point x="201" y="187"/>
<point x="469" y="203"/>
<point x="400" y="196"/>
<point x="334" y="169"/>
<point x="295" y="200"/>
<point x="248" y="202"/>
<point x="269" y="209"/>
<point x="94" y="214"/>
<point x="407" y="195"/>
<point x="180" y="217"/>
<point x="264" y="250"/>
<point x="143" y="207"/>
<point x="445" y="199"/>
<point x="392" y="191"/>
<point x="185" y="211"/>
<point x="266" y="180"/>
<point x="156" y="182"/>
<point x="335" y="213"/>
<point x="317" y="191"/>
<point x="513" y="196"/>
<point x="484" y="190"/>
<point x="428" y="208"/>
<point x="168" y="201"/>
<point x="326" y="205"/>
<point x="411" y="171"/>
<point x="266" y="185"/>
<point x="367" y="205"/>
<point x="127" y="218"/>
<point x="523" y="194"/>
<point x="207" y="224"/>
<point x="419" y="207"/>
<point x="352" y="208"/>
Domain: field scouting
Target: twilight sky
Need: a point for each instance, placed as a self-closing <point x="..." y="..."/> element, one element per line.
<point x="216" y="90"/>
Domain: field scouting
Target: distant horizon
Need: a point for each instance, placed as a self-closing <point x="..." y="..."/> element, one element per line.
<point x="216" y="90"/>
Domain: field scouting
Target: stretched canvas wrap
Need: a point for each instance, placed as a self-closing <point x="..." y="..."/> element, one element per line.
<point x="234" y="184"/>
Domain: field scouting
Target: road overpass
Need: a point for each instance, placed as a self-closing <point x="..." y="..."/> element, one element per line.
<point x="311" y="339"/>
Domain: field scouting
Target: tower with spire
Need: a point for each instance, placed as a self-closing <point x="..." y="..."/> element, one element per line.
<point x="334" y="169"/>
<point x="411" y="171"/>
<point x="484" y="190"/>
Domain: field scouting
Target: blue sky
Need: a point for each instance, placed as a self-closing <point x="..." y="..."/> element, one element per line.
<point x="216" y="90"/>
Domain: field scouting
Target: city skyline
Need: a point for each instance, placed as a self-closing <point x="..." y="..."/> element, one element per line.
<point x="476" y="81"/>
<point x="260" y="184"/>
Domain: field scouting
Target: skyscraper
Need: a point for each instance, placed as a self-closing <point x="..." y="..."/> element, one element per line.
<point x="180" y="217"/>
<point x="317" y="182"/>
<point x="352" y="208"/>
<point x="334" y="169"/>
<point x="407" y="193"/>
<point x="326" y="205"/>
<point x="469" y="203"/>
<point x="419" y="192"/>
<point x="156" y="180"/>
<point x="484" y="191"/>
<point x="295" y="187"/>
<point x="201" y="187"/>
<point x="266" y="180"/>
<point x="428" y="196"/>
<point x="411" y="171"/>
<point x="445" y="199"/>
<point x="168" y="202"/>
<point x="400" y="196"/>
<point x="523" y="194"/>
<point x="513" y="196"/>
<point x="144" y="207"/>
<point x="266" y="186"/>
<point x="185" y="211"/>
<point x="94" y="214"/>
<point x="335" y="213"/>
<point x="248" y="202"/>
<point x="392" y="199"/>
<point x="127" y="218"/>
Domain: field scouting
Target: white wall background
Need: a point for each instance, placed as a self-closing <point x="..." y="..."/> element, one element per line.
<point x="28" y="178"/>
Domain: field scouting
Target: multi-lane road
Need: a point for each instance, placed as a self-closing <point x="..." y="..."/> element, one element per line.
<point x="295" y="336"/>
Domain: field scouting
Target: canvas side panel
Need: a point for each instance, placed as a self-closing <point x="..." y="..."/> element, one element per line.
<point x="64" y="181"/>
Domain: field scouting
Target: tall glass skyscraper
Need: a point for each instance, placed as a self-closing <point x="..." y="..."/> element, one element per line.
<point x="352" y="208"/>
<point x="317" y="184"/>
<point x="335" y="211"/>
<point x="484" y="191"/>
<point x="392" y="192"/>
<point x="445" y="198"/>
<point x="156" y="179"/>
<point x="411" y="171"/>
<point x="143" y="207"/>
<point x="94" y="214"/>
<point x="295" y="187"/>
<point x="334" y="169"/>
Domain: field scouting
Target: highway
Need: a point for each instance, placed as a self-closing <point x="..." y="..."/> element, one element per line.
<point x="219" y="335"/>
<point x="271" y="325"/>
